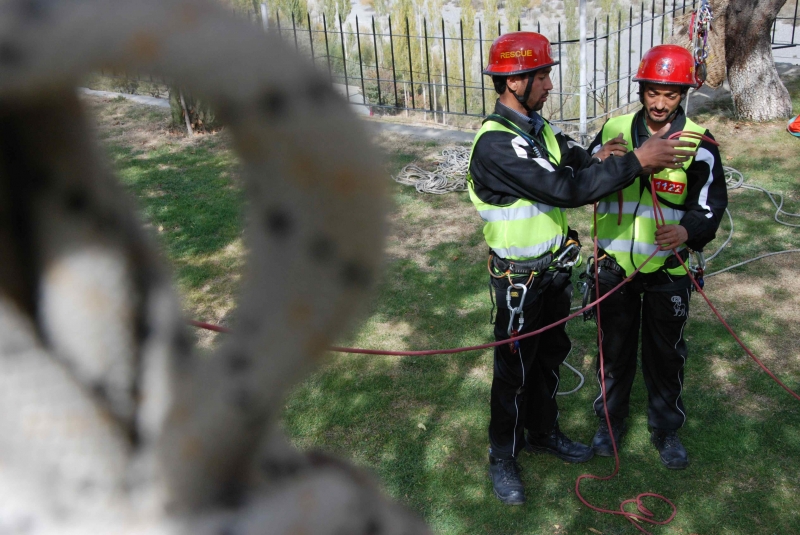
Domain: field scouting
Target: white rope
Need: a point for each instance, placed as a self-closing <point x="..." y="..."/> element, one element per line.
<point x="576" y="372"/>
<point x="735" y="180"/>
<point x="450" y="174"/>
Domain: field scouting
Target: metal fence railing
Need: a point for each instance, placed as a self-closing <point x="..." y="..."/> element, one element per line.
<point x="434" y="69"/>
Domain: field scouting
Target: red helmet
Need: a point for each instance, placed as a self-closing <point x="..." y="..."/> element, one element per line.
<point x="519" y="52"/>
<point x="669" y="65"/>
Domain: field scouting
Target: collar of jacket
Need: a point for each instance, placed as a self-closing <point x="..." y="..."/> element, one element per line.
<point x="531" y="125"/>
<point x="642" y="133"/>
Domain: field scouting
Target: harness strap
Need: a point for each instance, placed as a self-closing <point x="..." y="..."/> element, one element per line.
<point x="521" y="267"/>
<point x="523" y="100"/>
<point x="532" y="141"/>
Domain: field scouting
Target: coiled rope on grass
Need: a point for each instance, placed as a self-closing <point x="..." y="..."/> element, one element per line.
<point x="734" y="179"/>
<point x="450" y="174"/>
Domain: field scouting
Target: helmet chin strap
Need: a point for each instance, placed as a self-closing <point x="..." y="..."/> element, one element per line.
<point x="523" y="100"/>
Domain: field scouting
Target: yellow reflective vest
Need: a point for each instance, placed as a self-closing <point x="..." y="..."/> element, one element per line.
<point x="631" y="240"/>
<point x="524" y="229"/>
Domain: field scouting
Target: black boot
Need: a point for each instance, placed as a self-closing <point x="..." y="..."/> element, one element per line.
<point x="506" y="481"/>
<point x="557" y="443"/>
<point x="601" y="443"/>
<point x="673" y="454"/>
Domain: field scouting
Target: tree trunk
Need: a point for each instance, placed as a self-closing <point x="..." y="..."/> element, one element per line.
<point x="189" y="111"/>
<point x="757" y="91"/>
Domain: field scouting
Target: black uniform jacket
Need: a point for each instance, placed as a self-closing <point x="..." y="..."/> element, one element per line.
<point x="706" y="192"/>
<point x="506" y="168"/>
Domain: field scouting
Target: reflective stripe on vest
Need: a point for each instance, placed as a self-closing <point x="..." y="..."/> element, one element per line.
<point x="523" y="229"/>
<point x="632" y="241"/>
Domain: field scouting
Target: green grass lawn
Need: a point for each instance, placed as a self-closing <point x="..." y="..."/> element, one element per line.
<point x="420" y="422"/>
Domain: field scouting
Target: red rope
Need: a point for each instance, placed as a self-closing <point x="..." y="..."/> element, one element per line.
<point x="359" y="351"/>
<point x="738" y="340"/>
<point x="646" y="515"/>
<point x="209" y="326"/>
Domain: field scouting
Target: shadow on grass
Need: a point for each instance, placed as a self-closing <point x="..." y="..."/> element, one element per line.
<point x="191" y="201"/>
<point x="420" y="422"/>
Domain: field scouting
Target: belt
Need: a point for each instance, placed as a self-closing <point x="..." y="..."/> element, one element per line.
<point x="672" y="261"/>
<point x="609" y="264"/>
<point x="522" y="267"/>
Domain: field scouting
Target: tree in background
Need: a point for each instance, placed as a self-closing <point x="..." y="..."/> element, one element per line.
<point x="757" y="91"/>
<point x="514" y="9"/>
<point x="490" y="18"/>
<point x="286" y="9"/>
<point x="247" y="8"/>
<point x="407" y="53"/>
<point x="607" y="57"/>
<point x="334" y="9"/>
<point x="381" y="7"/>
<point x="472" y="76"/>
<point x="190" y="112"/>
<point x="566" y="104"/>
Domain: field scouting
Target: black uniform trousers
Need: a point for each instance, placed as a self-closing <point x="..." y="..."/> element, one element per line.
<point x="525" y="381"/>
<point x="660" y="304"/>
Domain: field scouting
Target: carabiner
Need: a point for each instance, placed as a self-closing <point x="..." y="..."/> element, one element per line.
<point x="699" y="269"/>
<point x="589" y="264"/>
<point x="566" y="254"/>
<point x="701" y="260"/>
<point x="515" y="310"/>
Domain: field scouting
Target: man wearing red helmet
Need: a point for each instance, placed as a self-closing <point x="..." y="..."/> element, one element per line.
<point x="693" y="199"/>
<point x="523" y="172"/>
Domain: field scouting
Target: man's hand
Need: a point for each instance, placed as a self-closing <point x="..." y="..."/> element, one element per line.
<point x="613" y="147"/>
<point x="658" y="153"/>
<point x="671" y="236"/>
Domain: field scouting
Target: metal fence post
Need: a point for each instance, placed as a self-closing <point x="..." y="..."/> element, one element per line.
<point x="311" y="38"/>
<point x="410" y="66"/>
<point x="463" y="65"/>
<point x="582" y="22"/>
<point x="431" y="94"/>
<point x="599" y="85"/>
<point x="445" y="76"/>
<point x="344" y="60"/>
<point x="327" y="47"/>
<point x="360" y="63"/>
<point x="394" y="72"/>
<point x="560" y="79"/>
<point x="377" y="68"/>
<point x="483" y="88"/>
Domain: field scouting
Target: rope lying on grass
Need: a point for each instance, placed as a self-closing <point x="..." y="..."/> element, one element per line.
<point x="735" y="180"/>
<point x="450" y="174"/>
